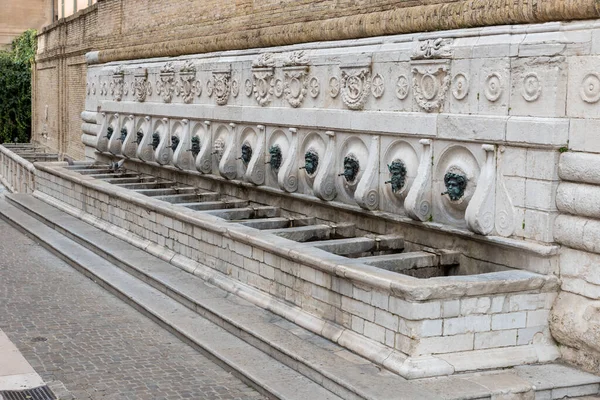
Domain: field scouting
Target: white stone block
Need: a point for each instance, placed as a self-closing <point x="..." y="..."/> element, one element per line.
<point x="476" y="305"/>
<point x="487" y="340"/>
<point x="386" y="319"/>
<point x="415" y="311"/>
<point x="498" y="303"/>
<point x="584" y="87"/>
<point x="380" y="300"/>
<point x="537" y="318"/>
<point x="509" y="321"/>
<point x="358" y="308"/>
<point x="450" y="308"/>
<point x="542" y="164"/>
<point x="471" y="127"/>
<point x="358" y="324"/>
<point x="533" y="301"/>
<point x="539" y="225"/>
<point x="540" y="195"/>
<point x="361" y="295"/>
<point x="471" y="323"/>
<point x="374" y="332"/>
<point x="516" y="190"/>
<point x="525" y="336"/>
<point x="514" y="161"/>
<point x="444" y="344"/>
<point x="390" y="337"/>
<point x="544" y="131"/>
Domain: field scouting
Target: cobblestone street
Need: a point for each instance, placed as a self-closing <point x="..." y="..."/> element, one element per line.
<point x="72" y="331"/>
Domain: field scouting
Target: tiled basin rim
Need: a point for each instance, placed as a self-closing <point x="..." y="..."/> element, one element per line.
<point x="414" y="327"/>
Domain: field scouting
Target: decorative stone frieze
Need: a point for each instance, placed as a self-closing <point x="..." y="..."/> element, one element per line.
<point x="460" y="86"/>
<point x="314" y="87"/>
<point x="117" y="83"/>
<point x="356" y="84"/>
<point x="430" y="85"/>
<point x="296" y="84"/>
<point x="430" y="70"/>
<point x="165" y="84"/>
<point x="221" y="85"/>
<point x="188" y="86"/>
<point x="378" y="86"/>
<point x="263" y="72"/>
<point x="141" y="87"/>
<point x="494" y="86"/>
<point x="433" y="48"/>
<point x="334" y="87"/>
<point x="402" y="87"/>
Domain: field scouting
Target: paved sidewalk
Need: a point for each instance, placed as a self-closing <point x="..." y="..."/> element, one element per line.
<point x="15" y="372"/>
<point x="72" y="331"/>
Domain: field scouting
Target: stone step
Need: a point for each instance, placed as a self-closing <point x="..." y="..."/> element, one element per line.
<point x="166" y="192"/>
<point x="255" y="367"/>
<point x="323" y="361"/>
<point x="350" y="246"/>
<point x="246" y="213"/>
<point x="337" y="369"/>
<point x="148" y="185"/>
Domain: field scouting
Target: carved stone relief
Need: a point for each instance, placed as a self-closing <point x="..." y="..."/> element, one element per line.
<point x="532" y="87"/>
<point x="117" y="83"/>
<point x="165" y="85"/>
<point x="430" y="85"/>
<point x="355" y="86"/>
<point x="144" y="146"/>
<point x="334" y="87"/>
<point x="480" y="212"/>
<point x="221" y="86"/>
<point x="188" y="85"/>
<point x="433" y="48"/>
<point x="263" y="70"/>
<point x="287" y="176"/>
<point x="203" y="133"/>
<point x="248" y="87"/>
<point x="460" y="86"/>
<point x="402" y="87"/>
<point x="418" y="202"/>
<point x="314" y="87"/>
<point x="296" y="84"/>
<point x="278" y="88"/>
<point x="378" y="86"/>
<point x="590" y="88"/>
<point x="493" y="87"/>
<point x="141" y="87"/>
<point x="235" y="87"/>
<point x="367" y="191"/>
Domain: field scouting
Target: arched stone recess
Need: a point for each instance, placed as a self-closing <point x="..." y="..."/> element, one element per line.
<point x="145" y="150"/>
<point x="277" y="152"/>
<point x="287" y="176"/>
<point x="352" y="158"/>
<point x="162" y="140"/>
<point x="397" y="171"/>
<point x="455" y="179"/>
<point x="225" y="150"/>
<point x="129" y="145"/>
<point x="418" y="202"/>
<point x="202" y="137"/>
<point x="182" y="154"/>
<point x="325" y="187"/>
<point x="123" y="127"/>
<point x="311" y="158"/>
<point x="252" y="154"/>
<point x="105" y="123"/>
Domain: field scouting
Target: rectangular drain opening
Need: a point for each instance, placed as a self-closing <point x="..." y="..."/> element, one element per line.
<point x="39" y="393"/>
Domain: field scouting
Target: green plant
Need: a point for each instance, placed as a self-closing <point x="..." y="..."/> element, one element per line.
<point x="563" y="149"/>
<point x="15" y="88"/>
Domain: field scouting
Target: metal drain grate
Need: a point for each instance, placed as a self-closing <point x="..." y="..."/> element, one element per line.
<point x="40" y="393"/>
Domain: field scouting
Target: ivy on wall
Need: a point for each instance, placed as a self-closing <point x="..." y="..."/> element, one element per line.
<point x="15" y="88"/>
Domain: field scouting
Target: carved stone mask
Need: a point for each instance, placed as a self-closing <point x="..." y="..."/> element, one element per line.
<point x="109" y="132"/>
<point x="276" y="157"/>
<point x="174" y="143"/>
<point x="398" y="175"/>
<point x="155" y="140"/>
<point x="123" y="135"/>
<point x="140" y="136"/>
<point x="311" y="162"/>
<point x="455" y="185"/>
<point x="195" y="146"/>
<point x="351" y="168"/>
<point x="246" y="153"/>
